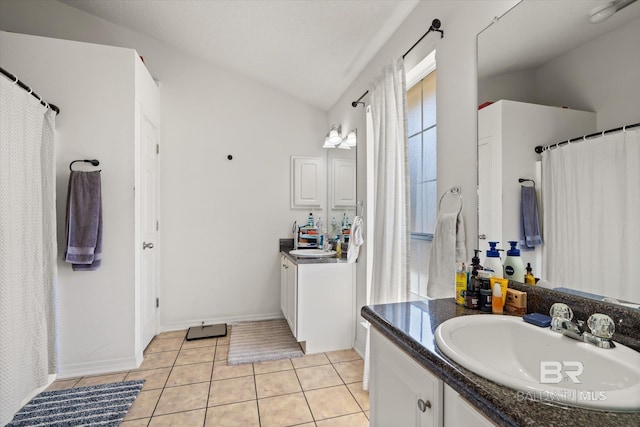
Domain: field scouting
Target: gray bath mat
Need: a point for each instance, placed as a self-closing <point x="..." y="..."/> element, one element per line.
<point x="99" y="405"/>
<point x="262" y="341"/>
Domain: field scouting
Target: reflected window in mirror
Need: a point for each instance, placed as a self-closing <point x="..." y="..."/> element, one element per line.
<point x="421" y="118"/>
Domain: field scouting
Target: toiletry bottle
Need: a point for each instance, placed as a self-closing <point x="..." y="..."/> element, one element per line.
<point x="513" y="267"/>
<point x="529" y="277"/>
<point x="485" y="297"/>
<point x="496" y="299"/>
<point x="461" y="284"/>
<point x="492" y="262"/>
<point x="338" y="247"/>
<point x="475" y="261"/>
<point x="310" y="222"/>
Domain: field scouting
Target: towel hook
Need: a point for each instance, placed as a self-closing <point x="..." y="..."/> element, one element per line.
<point x="521" y="180"/>
<point x="361" y="206"/>
<point x="453" y="191"/>
<point x="93" y="162"/>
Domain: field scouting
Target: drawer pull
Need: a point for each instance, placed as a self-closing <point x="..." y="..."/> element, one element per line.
<point x="422" y="405"/>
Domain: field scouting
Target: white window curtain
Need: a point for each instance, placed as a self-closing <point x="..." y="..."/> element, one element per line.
<point x="591" y="202"/>
<point x="388" y="124"/>
<point x="27" y="247"/>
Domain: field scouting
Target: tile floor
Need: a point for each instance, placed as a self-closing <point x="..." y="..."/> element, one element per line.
<point x="188" y="383"/>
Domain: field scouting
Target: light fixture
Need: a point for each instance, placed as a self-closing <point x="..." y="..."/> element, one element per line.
<point x="602" y="12"/>
<point x="334" y="139"/>
<point x="351" y="140"/>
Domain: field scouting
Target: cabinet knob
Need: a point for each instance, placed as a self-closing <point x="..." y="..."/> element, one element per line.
<point x="422" y="405"/>
<point x="146" y="245"/>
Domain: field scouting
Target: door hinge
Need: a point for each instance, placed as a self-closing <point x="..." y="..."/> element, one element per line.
<point x="157" y="148"/>
<point x="157" y="302"/>
<point x="157" y="225"/>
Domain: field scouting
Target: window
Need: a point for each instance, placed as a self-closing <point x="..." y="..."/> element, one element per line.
<point x="421" y="118"/>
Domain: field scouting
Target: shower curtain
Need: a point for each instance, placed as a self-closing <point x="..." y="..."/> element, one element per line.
<point x="27" y="247"/>
<point x="591" y="201"/>
<point x="387" y="125"/>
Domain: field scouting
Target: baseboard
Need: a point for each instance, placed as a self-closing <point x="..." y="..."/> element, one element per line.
<point x="361" y="337"/>
<point x="182" y="325"/>
<point x="99" y="367"/>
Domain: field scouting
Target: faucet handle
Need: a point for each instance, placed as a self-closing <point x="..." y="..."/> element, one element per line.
<point x="601" y="325"/>
<point x="561" y="310"/>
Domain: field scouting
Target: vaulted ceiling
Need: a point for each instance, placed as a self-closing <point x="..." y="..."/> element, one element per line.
<point x="310" y="49"/>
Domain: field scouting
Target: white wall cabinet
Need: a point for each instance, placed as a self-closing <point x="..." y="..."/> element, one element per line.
<point x="508" y="132"/>
<point x="401" y="392"/>
<point x="308" y="182"/>
<point x="318" y="301"/>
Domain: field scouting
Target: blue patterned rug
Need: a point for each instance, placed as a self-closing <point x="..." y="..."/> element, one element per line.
<point x="105" y="405"/>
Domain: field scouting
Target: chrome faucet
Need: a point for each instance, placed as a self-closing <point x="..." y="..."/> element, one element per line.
<point x="601" y="326"/>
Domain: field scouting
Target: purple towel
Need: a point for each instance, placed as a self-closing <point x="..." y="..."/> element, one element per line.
<point x="529" y="223"/>
<point x="84" y="221"/>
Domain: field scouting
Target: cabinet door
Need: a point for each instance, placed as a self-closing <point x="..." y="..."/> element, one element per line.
<point x="308" y="182"/>
<point x="292" y="297"/>
<point x="283" y="285"/>
<point x="458" y="412"/>
<point x="402" y="393"/>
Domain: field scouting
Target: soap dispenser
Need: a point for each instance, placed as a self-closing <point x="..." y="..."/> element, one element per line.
<point x="493" y="262"/>
<point x="475" y="261"/>
<point x="513" y="267"/>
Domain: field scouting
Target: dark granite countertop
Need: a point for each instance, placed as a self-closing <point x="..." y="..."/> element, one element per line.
<point x="411" y="326"/>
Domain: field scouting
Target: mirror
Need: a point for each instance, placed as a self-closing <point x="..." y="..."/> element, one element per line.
<point x="341" y="188"/>
<point x="547" y="53"/>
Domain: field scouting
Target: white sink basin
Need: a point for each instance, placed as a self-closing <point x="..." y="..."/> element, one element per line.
<point x="511" y="352"/>
<point x="312" y="253"/>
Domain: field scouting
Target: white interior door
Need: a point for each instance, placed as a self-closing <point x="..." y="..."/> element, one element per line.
<point x="149" y="216"/>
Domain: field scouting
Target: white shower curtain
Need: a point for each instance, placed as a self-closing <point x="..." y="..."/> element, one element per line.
<point x="27" y="247"/>
<point x="390" y="249"/>
<point x="591" y="203"/>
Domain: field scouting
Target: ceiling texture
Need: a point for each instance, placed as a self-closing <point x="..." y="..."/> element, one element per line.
<point x="310" y="49"/>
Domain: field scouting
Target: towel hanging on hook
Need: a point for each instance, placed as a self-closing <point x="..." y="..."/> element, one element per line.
<point x="93" y="162"/>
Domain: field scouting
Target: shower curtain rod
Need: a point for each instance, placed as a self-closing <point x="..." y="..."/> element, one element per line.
<point x="28" y="89"/>
<point x="435" y="27"/>
<point x="540" y="148"/>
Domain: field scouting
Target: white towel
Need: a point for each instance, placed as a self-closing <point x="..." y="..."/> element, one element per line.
<point x="356" y="240"/>
<point x="447" y="249"/>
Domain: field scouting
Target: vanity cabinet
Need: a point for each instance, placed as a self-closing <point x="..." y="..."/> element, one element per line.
<point x="318" y="301"/>
<point x="403" y="393"/>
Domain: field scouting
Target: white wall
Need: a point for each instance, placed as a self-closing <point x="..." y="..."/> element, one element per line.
<point x="599" y="76"/>
<point x="216" y="214"/>
<point x="456" y="105"/>
<point x="94" y="87"/>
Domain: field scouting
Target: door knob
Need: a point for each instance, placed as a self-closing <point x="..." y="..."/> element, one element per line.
<point x="146" y="245"/>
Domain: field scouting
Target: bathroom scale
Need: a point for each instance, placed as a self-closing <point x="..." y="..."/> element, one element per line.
<point x="209" y="331"/>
